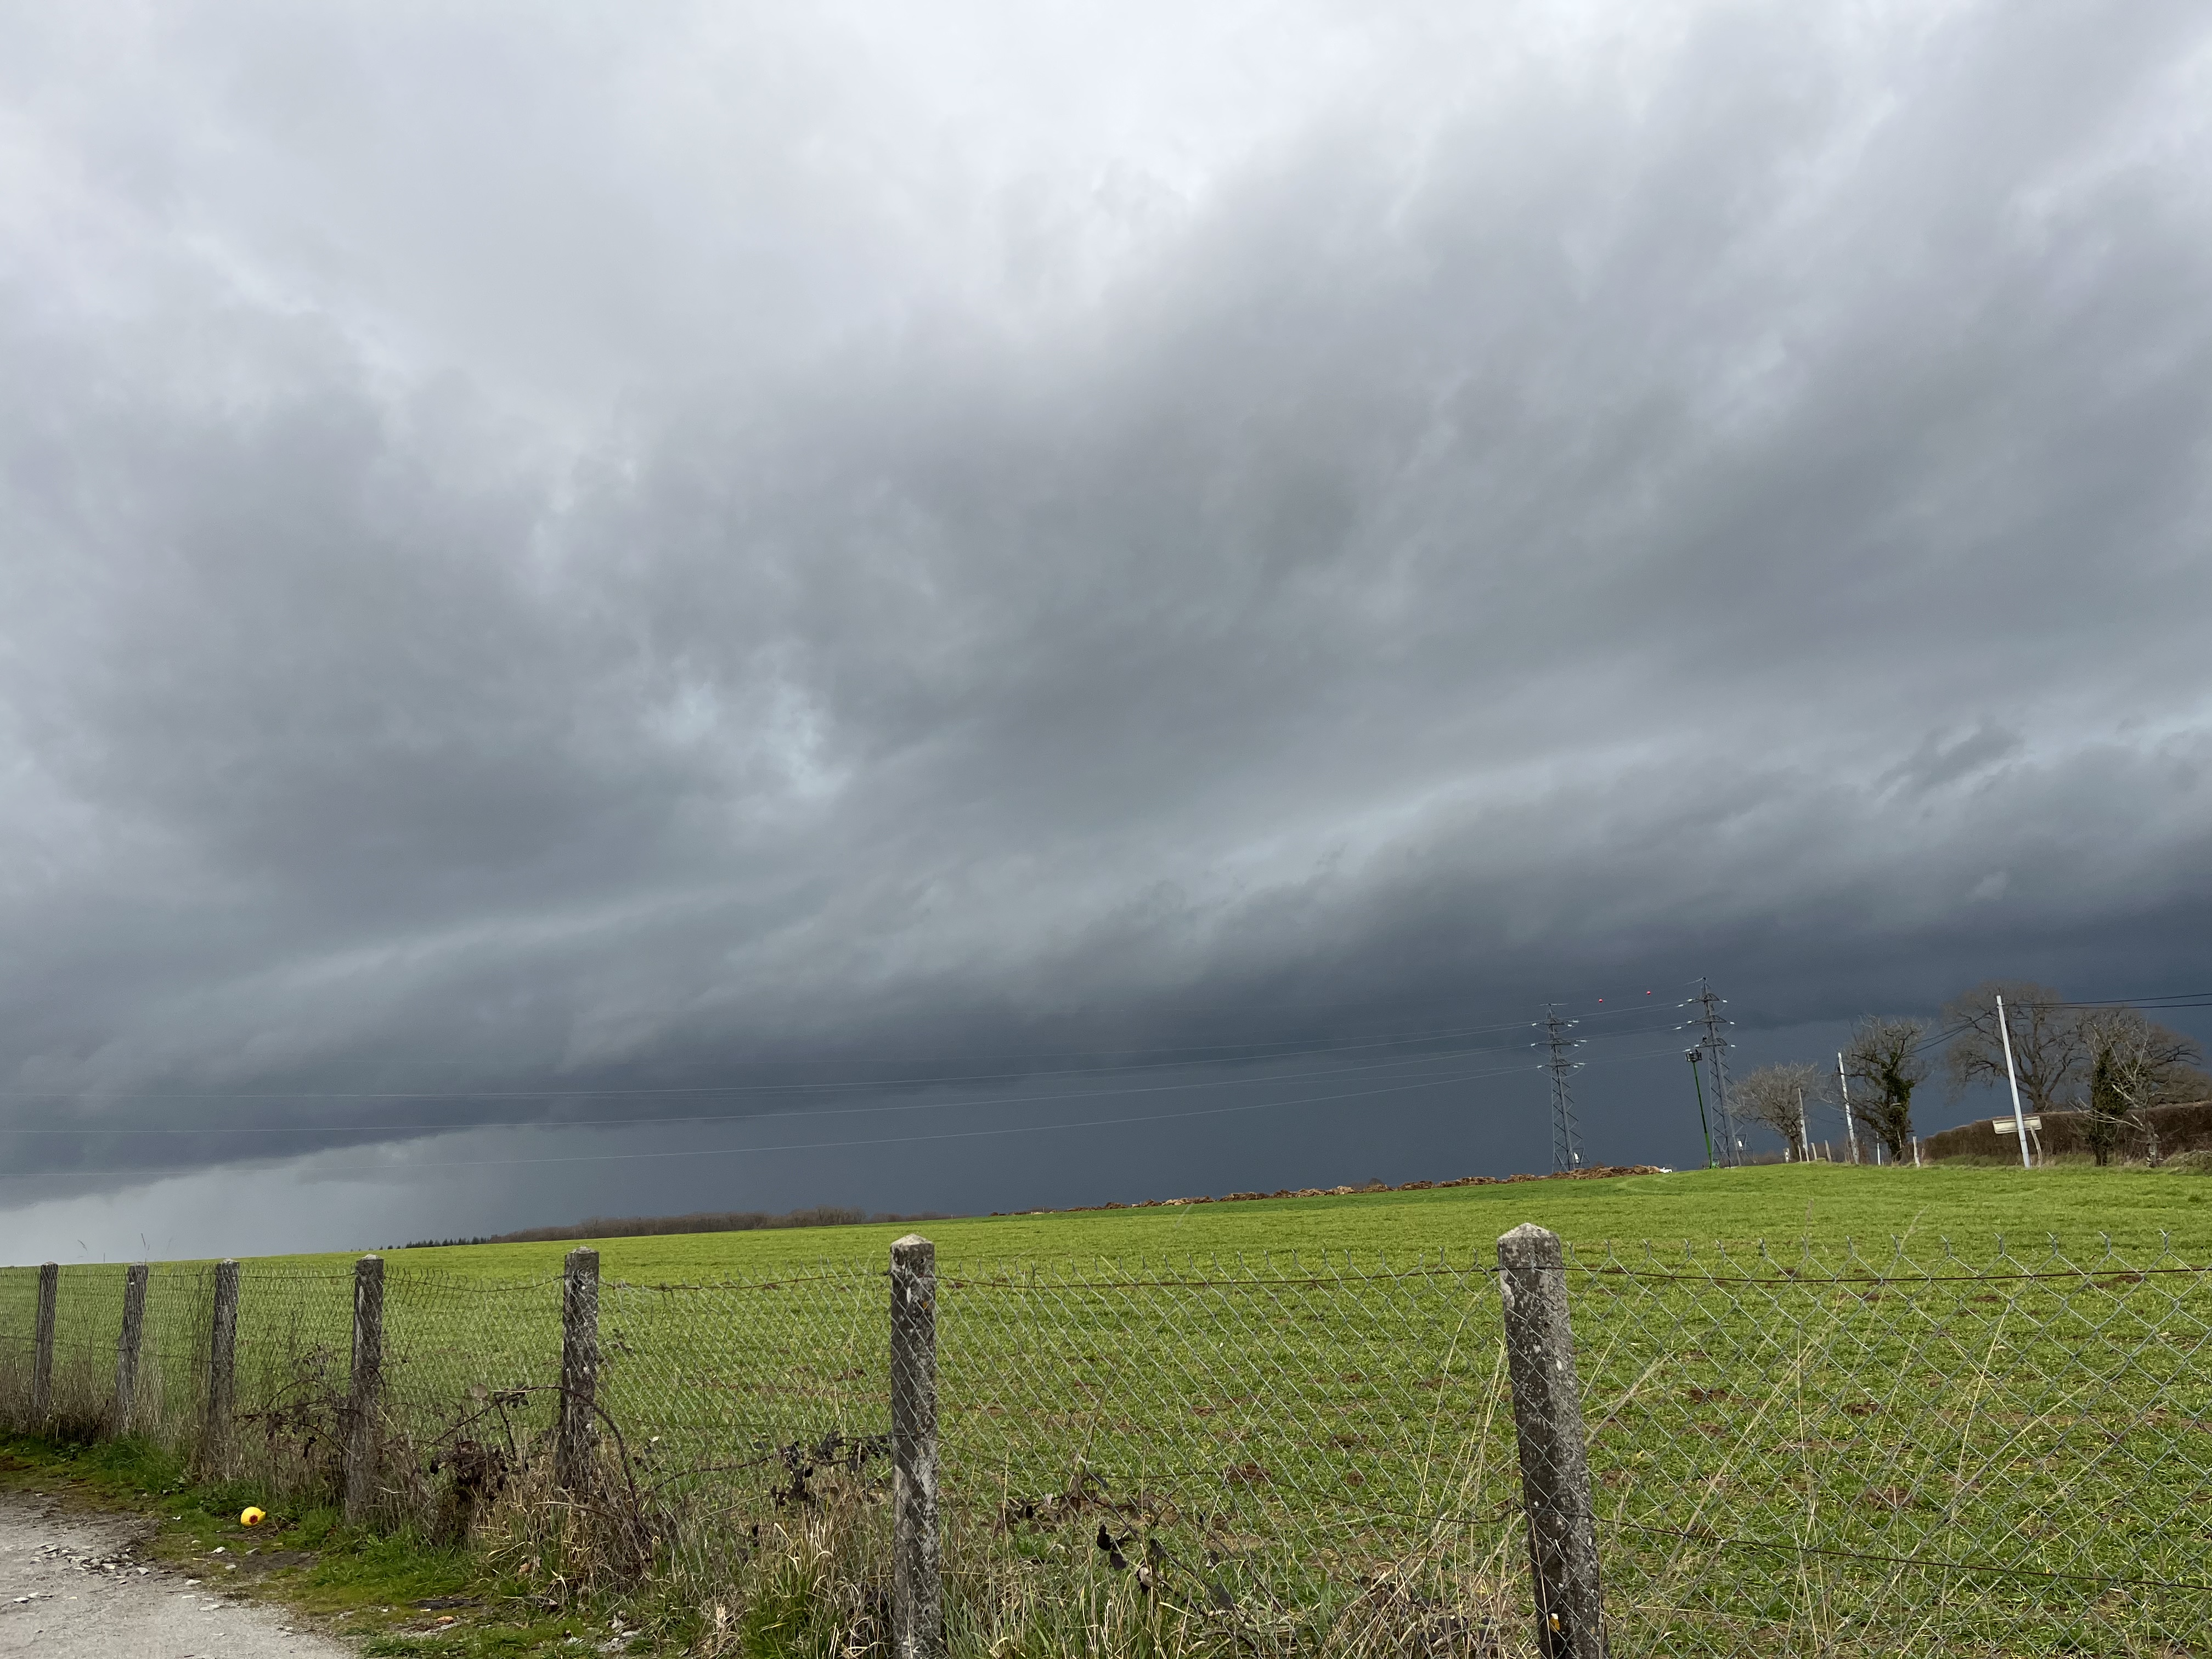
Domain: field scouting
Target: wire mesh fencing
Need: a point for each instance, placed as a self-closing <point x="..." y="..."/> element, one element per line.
<point x="1288" y="1454"/>
<point x="1731" y="1451"/>
<point x="1905" y="1451"/>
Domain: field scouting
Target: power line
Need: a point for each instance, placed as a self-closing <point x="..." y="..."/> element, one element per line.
<point x="728" y="1117"/>
<point x="1566" y="1128"/>
<point x="813" y="1146"/>
<point x="644" y="1091"/>
<point x="1282" y="1049"/>
<point x="1566" y="1132"/>
<point x="641" y="1090"/>
<point x="818" y="1145"/>
<point x="2176" y="999"/>
<point x="321" y="1096"/>
<point x="2114" y="1002"/>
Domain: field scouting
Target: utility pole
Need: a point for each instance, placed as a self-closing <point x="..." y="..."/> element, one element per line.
<point x="1850" y="1129"/>
<point x="1566" y="1138"/>
<point x="1715" y="1047"/>
<point x="2019" y="1117"/>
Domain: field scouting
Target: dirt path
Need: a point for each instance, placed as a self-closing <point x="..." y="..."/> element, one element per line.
<point x="74" y="1587"/>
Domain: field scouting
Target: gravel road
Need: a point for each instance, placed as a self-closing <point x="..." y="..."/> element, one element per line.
<point x="73" y="1587"/>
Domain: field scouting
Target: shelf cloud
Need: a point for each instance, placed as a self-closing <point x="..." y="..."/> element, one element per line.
<point x="599" y="550"/>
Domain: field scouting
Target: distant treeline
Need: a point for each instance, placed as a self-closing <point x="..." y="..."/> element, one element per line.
<point x="704" y="1221"/>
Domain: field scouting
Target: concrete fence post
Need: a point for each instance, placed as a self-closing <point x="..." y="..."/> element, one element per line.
<point x="223" y="1367"/>
<point x="1548" y="1421"/>
<point x="42" y="1350"/>
<point x="365" y="1399"/>
<point x="127" y="1344"/>
<point x="579" y="1369"/>
<point x="917" y="1587"/>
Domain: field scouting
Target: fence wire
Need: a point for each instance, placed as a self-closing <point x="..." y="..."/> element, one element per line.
<point x="1841" y="1453"/>
<point x="1814" y="1452"/>
<point x="1287" y="1452"/>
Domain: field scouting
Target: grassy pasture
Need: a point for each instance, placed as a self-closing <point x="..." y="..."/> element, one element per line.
<point x="1301" y="1423"/>
<point x="1294" y="1420"/>
<point x="1319" y="1450"/>
<point x="1824" y="1202"/>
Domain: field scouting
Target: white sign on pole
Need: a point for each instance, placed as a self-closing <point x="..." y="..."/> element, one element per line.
<point x="2006" y="1126"/>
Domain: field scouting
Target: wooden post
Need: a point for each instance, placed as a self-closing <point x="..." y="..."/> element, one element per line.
<point x="126" y="1347"/>
<point x="363" y="1402"/>
<point x="579" y="1369"/>
<point x="42" y="1351"/>
<point x="223" y="1367"/>
<point x="917" y="1589"/>
<point x="1548" y="1421"/>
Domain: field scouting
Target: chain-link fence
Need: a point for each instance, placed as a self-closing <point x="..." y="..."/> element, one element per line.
<point x="1816" y="1452"/>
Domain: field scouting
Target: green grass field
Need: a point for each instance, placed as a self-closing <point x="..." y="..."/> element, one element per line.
<point x="1827" y="1203"/>
<point x="1292" y="1412"/>
<point x="1335" y="1443"/>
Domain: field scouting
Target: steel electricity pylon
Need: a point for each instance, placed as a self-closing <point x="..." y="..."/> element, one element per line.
<point x="1714" y="1047"/>
<point x="1566" y="1136"/>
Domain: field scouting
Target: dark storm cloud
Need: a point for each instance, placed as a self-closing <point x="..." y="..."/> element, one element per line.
<point x="562" y="557"/>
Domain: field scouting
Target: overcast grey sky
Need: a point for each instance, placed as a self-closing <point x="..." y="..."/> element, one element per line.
<point x="562" y="548"/>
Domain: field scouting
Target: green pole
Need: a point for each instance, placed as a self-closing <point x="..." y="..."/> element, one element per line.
<point x="1698" y="1079"/>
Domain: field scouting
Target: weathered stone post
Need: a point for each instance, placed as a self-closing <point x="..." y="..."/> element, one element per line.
<point x="223" y="1367"/>
<point x="127" y="1345"/>
<point x="365" y="1401"/>
<point x="579" y="1369"/>
<point x="1548" y="1421"/>
<point x="917" y="1586"/>
<point x="42" y="1351"/>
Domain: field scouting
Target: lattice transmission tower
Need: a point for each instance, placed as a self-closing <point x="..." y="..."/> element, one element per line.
<point x="1715" y="1047"/>
<point x="1566" y="1135"/>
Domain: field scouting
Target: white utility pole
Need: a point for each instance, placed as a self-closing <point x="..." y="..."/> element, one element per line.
<point x="1804" y="1134"/>
<point x="1851" y="1130"/>
<point x="2019" y="1117"/>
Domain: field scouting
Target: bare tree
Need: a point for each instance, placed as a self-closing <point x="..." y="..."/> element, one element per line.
<point x="1776" y="1096"/>
<point x="2134" y="1064"/>
<point x="2048" y="1049"/>
<point x="1884" y="1057"/>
